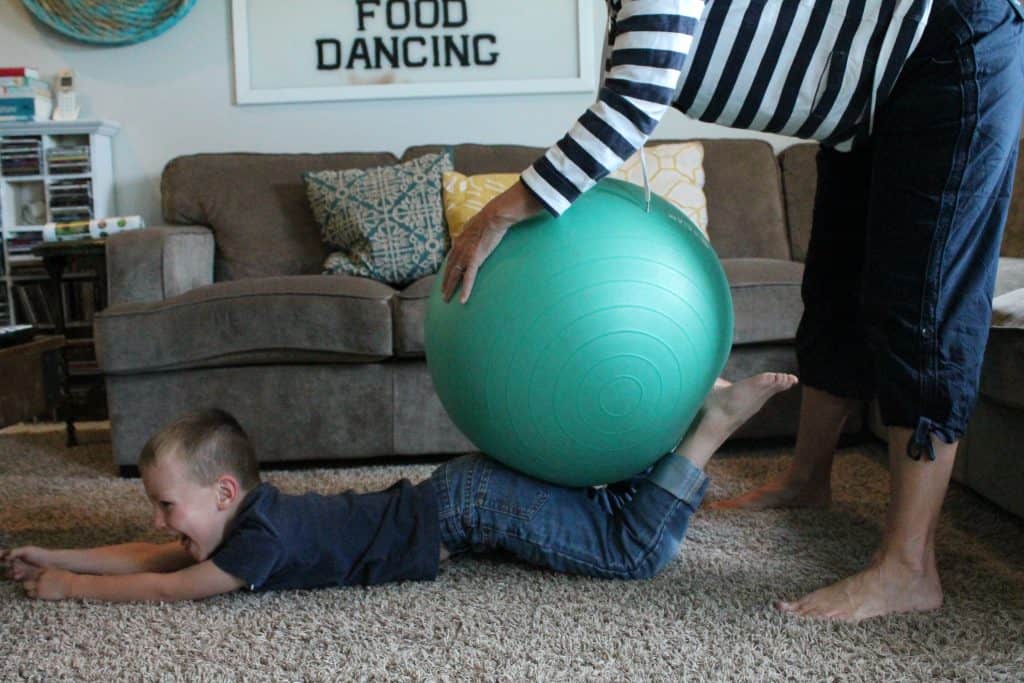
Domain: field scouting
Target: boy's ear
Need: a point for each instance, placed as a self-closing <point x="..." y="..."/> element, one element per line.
<point x="228" y="491"/>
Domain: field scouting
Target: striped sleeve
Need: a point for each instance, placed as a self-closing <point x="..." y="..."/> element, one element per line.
<point x="649" y="42"/>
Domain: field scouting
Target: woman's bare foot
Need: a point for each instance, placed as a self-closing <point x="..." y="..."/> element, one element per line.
<point x="784" y="491"/>
<point x="725" y="410"/>
<point x="883" y="588"/>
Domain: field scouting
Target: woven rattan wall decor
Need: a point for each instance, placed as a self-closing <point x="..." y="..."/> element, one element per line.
<point x="110" y="22"/>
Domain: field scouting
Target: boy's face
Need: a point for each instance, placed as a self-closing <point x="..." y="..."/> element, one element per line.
<point x="197" y="514"/>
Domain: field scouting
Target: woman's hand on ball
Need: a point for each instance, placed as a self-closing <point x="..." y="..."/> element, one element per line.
<point x="481" y="236"/>
<point x="471" y="248"/>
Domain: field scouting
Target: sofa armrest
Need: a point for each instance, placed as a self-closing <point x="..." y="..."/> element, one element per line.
<point x="156" y="263"/>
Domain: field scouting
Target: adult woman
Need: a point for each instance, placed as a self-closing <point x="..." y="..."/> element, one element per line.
<point x="918" y="106"/>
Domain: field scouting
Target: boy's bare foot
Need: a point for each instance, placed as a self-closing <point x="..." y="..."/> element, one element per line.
<point x="784" y="491"/>
<point x="725" y="410"/>
<point x="730" y="405"/>
<point x="883" y="588"/>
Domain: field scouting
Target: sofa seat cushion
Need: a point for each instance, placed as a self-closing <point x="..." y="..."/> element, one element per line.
<point x="765" y="294"/>
<point x="410" y="316"/>
<point x="1009" y="275"/>
<point x="1002" y="376"/>
<point x="765" y="298"/>
<point x="301" y="318"/>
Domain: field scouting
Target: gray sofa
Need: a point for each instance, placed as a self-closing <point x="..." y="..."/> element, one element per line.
<point x="224" y="305"/>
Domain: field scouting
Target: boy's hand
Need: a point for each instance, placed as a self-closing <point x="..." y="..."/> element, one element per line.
<point x="49" y="584"/>
<point x="23" y="571"/>
<point x="27" y="554"/>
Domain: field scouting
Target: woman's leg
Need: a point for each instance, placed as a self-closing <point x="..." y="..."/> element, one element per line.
<point x="945" y="151"/>
<point x="807" y="482"/>
<point x="902" y="576"/>
<point x="834" y="358"/>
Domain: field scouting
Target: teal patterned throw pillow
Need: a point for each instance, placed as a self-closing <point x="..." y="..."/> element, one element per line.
<point x="384" y="223"/>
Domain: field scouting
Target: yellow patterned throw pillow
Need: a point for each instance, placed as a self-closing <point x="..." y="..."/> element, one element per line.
<point x="464" y="196"/>
<point x="676" y="172"/>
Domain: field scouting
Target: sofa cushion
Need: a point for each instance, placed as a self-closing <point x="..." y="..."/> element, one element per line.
<point x="307" y="318"/>
<point x="765" y="295"/>
<point x="464" y="196"/>
<point x="256" y="206"/>
<point x="676" y="173"/>
<point x="472" y="159"/>
<point x="1009" y="275"/>
<point x="765" y="298"/>
<point x="384" y="223"/>
<point x="1002" y="376"/>
<point x="746" y="218"/>
<point x="752" y="228"/>
<point x="799" y="186"/>
<point x="1013" y="239"/>
<point x="410" y="315"/>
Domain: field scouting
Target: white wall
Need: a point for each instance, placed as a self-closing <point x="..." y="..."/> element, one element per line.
<point x="174" y="95"/>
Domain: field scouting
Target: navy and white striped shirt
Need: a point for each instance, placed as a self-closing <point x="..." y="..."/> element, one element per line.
<point x="814" y="69"/>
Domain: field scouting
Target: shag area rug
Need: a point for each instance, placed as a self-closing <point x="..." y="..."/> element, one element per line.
<point x="707" y="617"/>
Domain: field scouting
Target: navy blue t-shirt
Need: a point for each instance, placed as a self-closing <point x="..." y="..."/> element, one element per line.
<point x="277" y="540"/>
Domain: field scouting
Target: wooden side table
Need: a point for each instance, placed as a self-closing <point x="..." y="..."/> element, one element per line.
<point x="75" y="267"/>
<point x="33" y="376"/>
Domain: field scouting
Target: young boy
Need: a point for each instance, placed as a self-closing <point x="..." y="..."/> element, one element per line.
<point x="201" y="475"/>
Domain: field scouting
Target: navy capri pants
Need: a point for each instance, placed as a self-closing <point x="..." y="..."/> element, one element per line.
<point x="902" y="259"/>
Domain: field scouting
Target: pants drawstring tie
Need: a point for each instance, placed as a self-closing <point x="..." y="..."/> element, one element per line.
<point x="920" y="443"/>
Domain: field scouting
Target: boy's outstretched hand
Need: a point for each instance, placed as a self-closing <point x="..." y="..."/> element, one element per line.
<point x="24" y="563"/>
<point x="48" y="584"/>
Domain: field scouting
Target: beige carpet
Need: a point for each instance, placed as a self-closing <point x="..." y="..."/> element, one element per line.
<point x="707" y="617"/>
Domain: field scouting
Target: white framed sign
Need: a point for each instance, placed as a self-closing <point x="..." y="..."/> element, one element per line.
<point x="317" y="50"/>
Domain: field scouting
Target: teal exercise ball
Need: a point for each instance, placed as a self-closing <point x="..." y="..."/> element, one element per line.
<point x="589" y="341"/>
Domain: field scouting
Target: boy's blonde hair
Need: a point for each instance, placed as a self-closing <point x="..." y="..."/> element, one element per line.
<point x="210" y="443"/>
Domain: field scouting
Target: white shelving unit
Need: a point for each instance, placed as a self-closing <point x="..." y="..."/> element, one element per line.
<point x="29" y="200"/>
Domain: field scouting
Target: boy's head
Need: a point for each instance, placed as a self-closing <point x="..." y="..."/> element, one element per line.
<point x="196" y="471"/>
<point x="210" y="443"/>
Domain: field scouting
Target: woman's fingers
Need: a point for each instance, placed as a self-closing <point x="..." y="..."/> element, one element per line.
<point x="468" y="278"/>
<point x="460" y="259"/>
<point x="452" y="275"/>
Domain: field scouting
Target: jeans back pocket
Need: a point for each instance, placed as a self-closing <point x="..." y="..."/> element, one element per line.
<point x="510" y="493"/>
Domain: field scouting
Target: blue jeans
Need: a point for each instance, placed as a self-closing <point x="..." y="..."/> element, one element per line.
<point x="628" y="530"/>
<point x="905" y="243"/>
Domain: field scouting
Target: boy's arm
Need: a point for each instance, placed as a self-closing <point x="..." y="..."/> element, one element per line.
<point x="198" y="581"/>
<point x="126" y="558"/>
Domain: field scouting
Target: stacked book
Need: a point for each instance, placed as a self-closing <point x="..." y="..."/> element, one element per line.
<point x="21" y="156"/>
<point x="68" y="159"/>
<point x="23" y="96"/>
<point x="5" y="311"/>
<point x="21" y="242"/>
<point x="71" y="200"/>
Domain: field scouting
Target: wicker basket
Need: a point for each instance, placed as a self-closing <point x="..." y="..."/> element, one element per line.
<point x="110" y="22"/>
